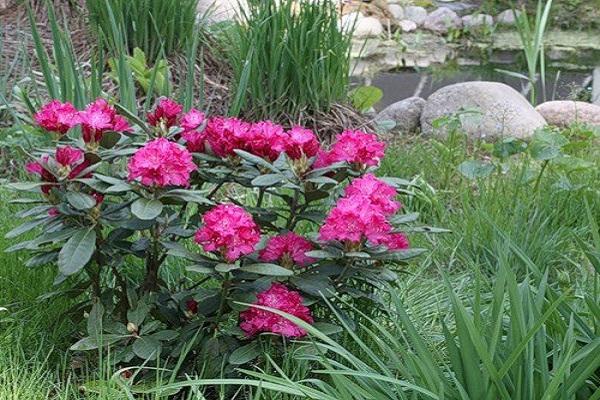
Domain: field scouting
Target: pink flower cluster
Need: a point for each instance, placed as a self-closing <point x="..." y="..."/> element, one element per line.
<point x="354" y="147"/>
<point x="69" y="161"/>
<point x="161" y="163"/>
<point x="362" y="214"/>
<point x="288" y="249"/>
<point x="278" y="296"/>
<point x="265" y="139"/>
<point x="57" y="117"/>
<point x="166" y="113"/>
<point x="229" y="230"/>
<point x="100" y="117"/>
<point x="194" y="138"/>
<point x="97" y="118"/>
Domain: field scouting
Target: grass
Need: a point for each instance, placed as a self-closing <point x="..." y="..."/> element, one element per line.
<point x="157" y="27"/>
<point x="288" y="59"/>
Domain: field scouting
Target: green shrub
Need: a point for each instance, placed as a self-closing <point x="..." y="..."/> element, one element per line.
<point x="151" y="25"/>
<point x="288" y="59"/>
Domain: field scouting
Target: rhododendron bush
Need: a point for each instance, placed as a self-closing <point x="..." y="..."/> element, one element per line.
<point x="255" y="213"/>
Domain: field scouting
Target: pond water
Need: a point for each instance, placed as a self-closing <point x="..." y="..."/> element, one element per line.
<point x="405" y="83"/>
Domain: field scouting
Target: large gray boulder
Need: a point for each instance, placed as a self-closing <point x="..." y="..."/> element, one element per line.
<point x="507" y="17"/>
<point x="442" y="20"/>
<point x="405" y="113"/>
<point x="564" y="113"/>
<point x="416" y="14"/>
<point x="503" y="111"/>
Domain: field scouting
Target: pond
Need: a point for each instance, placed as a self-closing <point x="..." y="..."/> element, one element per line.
<point x="398" y="85"/>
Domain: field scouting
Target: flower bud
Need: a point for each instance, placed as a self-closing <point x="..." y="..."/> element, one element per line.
<point x="131" y="327"/>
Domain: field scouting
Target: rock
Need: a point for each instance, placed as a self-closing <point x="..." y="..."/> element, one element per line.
<point x="596" y="86"/>
<point x="507" y="17"/>
<point x="457" y="6"/>
<point x="415" y="14"/>
<point x="477" y="20"/>
<point x="405" y="113"/>
<point x="442" y="20"/>
<point x="397" y="11"/>
<point x="407" y="25"/>
<point x="349" y="21"/>
<point x="566" y="112"/>
<point x="367" y="27"/>
<point x="504" y="111"/>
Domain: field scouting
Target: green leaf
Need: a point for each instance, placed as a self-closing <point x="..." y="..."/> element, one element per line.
<point x="365" y="97"/>
<point x="267" y="180"/>
<point x="90" y="343"/>
<point x="473" y="169"/>
<point x="222" y="267"/>
<point x="245" y="354"/>
<point x="78" y="250"/>
<point x="26" y="227"/>
<point x="81" y="201"/>
<point x="327" y="328"/>
<point x="267" y="269"/>
<point x="147" y="347"/>
<point x="146" y="209"/>
<point x="547" y="145"/>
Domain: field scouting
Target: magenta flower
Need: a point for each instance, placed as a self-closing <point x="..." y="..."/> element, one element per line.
<point x="266" y="139"/>
<point x="161" y="163"/>
<point x="229" y="230"/>
<point x="354" y="220"/>
<point x="57" y="117"/>
<point x="301" y="141"/>
<point x="393" y="241"/>
<point x="356" y="147"/>
<point x="288" y="249"/>
<point x="192" y="120"/>
<point x="166" y="113"/>
<point x="379" y="193"/>
<point x="71" y="163"/>
<point x="100" y="117"/>
<point x="68" y="156"/>
<point x="278" y="296"/>
<point x="226" y="134"/>
<point x="194" y="139"/>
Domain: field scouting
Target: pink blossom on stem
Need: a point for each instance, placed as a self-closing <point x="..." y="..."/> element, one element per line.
<point x="287" y="248"/>
<point x="226" y="134"/>
<point x="393" y="241"/>
<point x="161" y="163"/>
<point x="301" y="141"/>
<point x="229" y="230"/>
<point x="379" y="193"/>
<point x="71" y="163"/>
<point x="194" y="139"/>
<point x="266" y="139"/>
<point x="57" y="117"/>
<point x="278" y="296"/>
<point x="357" y="147"/>
<point x="100" y="117"/>
<point x="166" y="113"/>
<point x="192" y="120"/>
<point x="354" y="220"/>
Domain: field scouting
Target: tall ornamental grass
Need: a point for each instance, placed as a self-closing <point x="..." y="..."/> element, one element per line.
<point x="151" y="25"/>
<point x="288" y="58"/>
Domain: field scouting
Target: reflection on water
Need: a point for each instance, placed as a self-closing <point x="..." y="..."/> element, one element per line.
<point x="399" y="85"/>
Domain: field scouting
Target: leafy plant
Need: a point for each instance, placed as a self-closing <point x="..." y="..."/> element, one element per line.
<point x="289" y="58"/>
<point x="113" y="234"/>
<point x="532" y="39"/>
<point x="158" y="28"/>
<point x="151" y="79"/>
<point x="365" y="97"/>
